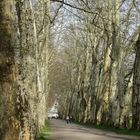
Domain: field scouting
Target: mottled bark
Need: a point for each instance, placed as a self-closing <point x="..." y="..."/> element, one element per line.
<point x="9" y="129"/>
<point x="136" y="89"/>
<point x="23" y="86"/>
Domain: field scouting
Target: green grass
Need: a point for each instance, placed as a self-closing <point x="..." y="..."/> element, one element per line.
<point x="113" y="129"/>
<point x="44" y="135"/>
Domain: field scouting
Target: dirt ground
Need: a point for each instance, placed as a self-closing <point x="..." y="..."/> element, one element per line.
<point x="60" y="130"/>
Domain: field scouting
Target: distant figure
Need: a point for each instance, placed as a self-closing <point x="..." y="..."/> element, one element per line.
<point x="68" y="119"/>
<point x="71" y="119"/>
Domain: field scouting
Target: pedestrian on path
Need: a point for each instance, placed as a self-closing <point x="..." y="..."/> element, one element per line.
<point x="68" y="119"/>
<point x="71" y="119"/>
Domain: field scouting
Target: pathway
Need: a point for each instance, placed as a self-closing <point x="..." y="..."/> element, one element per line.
<point x="63" y="131"/>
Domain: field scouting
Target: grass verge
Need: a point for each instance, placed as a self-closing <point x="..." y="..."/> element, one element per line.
<point x="44" y="135"/>
<point x="112" y="129"/>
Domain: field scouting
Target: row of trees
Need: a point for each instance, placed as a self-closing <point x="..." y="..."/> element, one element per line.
<point x="24" y="30"/>
<point x="90" y="62"/>
<point x="99" y="62"/>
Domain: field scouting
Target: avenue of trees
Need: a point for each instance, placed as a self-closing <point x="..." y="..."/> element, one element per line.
<point x="24" y="28"/>
<point x="96" y="68"/>
<point x="83" y="53"/>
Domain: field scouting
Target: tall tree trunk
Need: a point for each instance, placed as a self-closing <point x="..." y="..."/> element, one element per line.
<point x="136" y="89"/>
<point x="114" y="65"/>
<point x="8" y="121"/>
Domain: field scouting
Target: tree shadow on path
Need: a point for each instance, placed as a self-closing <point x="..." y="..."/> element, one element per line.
<point x="44" y="138"/>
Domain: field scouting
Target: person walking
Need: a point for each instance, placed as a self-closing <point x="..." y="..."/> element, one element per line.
<point x="68" y="119"/>
<point x="71" y="119"/>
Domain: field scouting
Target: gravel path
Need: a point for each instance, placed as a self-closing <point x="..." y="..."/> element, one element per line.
<point x="63" y="131"/>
